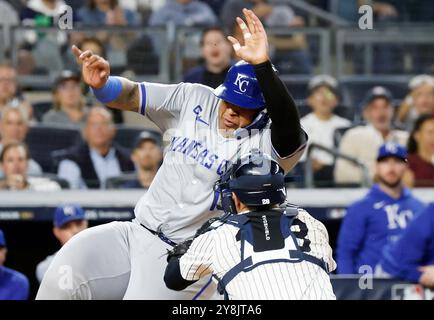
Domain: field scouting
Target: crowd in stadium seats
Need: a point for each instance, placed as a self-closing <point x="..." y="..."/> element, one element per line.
<point x="56" y="135"/>
<point x="350" y="118"/>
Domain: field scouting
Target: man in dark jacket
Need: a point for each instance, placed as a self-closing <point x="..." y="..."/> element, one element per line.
<point x="90" y="163"/>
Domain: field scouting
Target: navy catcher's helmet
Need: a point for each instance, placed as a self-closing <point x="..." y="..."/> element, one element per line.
<point x="241" y="87"/>
<point x="256" y="179"/>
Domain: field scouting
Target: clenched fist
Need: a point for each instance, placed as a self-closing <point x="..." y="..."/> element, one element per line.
<point x="95" y="69"/>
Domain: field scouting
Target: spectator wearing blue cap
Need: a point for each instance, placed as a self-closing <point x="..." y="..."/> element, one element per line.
<point x="13" y="284"/>
<point x="380" y="217"/>
<point x="69" y="219"/>
<point x="362" y="142"/>
<point x="411" y="258"/>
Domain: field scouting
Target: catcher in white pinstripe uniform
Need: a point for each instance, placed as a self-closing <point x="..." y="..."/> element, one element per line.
<point x="259" y="250"/>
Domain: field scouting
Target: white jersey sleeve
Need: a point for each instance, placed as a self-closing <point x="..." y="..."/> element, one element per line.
<point x="162" y="103"/>
<point x="198" y="260"/>
<point x="318" y="237"/>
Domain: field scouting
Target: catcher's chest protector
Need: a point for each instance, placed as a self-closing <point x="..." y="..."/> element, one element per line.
<point x="266" y="238"/>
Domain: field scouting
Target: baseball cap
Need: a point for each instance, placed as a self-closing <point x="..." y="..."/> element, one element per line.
<point x="420" y="80"/>
<point x="147" y="136"/>
<point x="2" y="239"/>
<point x="66" y="75"/>
<point x="377" y="92"/>
<point x="66" y="213"/>
<point x="392" y="149"/>
<point x="323" y="80"/>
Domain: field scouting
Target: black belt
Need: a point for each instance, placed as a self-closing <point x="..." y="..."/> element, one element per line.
<point x="161" y="236"/>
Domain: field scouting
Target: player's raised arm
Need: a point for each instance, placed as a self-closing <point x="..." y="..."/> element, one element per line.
<point x="287" y="135"/>
<point x="115" y="92"/>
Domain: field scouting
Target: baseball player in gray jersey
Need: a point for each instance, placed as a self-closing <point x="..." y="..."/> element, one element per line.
<point x="258" y="251"/>
<point x="207" y="131"/>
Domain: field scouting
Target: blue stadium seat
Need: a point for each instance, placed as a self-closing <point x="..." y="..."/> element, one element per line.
<point x="42" y="140"/>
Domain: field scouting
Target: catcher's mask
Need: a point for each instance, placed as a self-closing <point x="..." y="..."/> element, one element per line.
<point x="256" y="179"/>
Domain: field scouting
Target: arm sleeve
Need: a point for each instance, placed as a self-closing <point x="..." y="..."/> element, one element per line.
<point x="173" y="278"/>
<point x="287" y="136"/>
<point x="319" y="239"/>
<point x="403" y="258"/>
<point x="350" y="239"/>
<point x="197" y="262"/>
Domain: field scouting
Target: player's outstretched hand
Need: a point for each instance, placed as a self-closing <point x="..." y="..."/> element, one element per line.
<point x="255" y="48"/>
<point x="95" y="70"/>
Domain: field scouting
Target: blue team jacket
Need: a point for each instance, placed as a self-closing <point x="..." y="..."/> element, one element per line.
<point x="369" y="225"/>
<point x="415" y="248"/>
<point x="13" y="285"/>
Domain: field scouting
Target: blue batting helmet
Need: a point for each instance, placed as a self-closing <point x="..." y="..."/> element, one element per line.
<point x="241" y="87"/>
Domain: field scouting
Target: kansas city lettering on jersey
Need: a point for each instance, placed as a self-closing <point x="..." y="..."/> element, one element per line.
<point x="199" y="153"/>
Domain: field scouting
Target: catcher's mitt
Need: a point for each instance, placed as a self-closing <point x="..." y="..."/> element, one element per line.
<point x="179" y="250"/>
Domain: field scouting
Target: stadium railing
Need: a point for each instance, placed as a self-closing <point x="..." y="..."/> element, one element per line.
<point x="324" y="204"/>
<point x="309" y="180"/>
<point x="387" y="49"/>
<point x="52" y="49"/>
<point x="187" y="48"/>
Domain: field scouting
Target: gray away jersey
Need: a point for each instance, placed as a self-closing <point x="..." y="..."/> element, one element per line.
<point x="181" y="197"/>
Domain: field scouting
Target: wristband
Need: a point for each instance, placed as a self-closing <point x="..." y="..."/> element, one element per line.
<point x="110" y="92"/>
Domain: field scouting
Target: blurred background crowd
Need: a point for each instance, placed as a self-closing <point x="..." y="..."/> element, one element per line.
<point x="357" y="91"/>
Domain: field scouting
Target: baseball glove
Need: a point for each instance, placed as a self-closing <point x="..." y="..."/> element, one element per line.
<point x="179" y="250"/>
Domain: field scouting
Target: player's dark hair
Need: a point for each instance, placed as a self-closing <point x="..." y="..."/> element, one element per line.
<point x="12" y="145"/>
<point x="412" y="146"/>
<point x="210" y="29"/>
